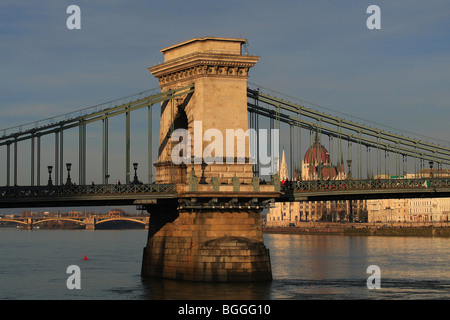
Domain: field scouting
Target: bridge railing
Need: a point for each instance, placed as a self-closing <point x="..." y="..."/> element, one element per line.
<point x="67" y="190"/>
<point x="336" y="185"/>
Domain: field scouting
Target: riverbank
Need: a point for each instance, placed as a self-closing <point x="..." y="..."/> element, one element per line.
<point x="363" y="229"/>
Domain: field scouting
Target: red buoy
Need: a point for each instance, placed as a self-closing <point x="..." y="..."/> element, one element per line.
<point x="85" y="258"/>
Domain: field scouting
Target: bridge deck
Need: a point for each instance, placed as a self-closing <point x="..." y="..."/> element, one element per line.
<point x="84" y="195"/>
<point x="146" y="194"/>
<point x="366" y="189"/>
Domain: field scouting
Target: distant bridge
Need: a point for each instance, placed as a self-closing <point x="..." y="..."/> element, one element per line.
<point x="90" y="222"/>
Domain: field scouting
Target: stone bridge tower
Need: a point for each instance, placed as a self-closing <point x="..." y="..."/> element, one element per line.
<point x="219" y="72"/>
<point x="212" y="230"/>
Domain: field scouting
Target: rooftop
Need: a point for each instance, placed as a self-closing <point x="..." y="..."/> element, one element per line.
<point x="205" y="44"/>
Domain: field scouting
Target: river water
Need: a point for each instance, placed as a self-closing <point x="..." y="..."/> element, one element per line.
<point x="33" y="265"/>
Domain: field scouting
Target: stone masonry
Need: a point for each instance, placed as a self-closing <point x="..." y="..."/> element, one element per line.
<point x="209" y="246"/>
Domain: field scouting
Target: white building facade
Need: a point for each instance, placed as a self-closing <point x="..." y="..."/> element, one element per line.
<point x="409" y="210"/>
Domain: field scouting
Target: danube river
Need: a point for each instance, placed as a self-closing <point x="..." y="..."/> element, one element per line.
<point x="34" y="264"/>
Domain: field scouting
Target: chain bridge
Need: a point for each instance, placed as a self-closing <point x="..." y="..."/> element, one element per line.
<point x="214" y="206"/>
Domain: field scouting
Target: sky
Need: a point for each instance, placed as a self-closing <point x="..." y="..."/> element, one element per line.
<point x="318" y="51"/>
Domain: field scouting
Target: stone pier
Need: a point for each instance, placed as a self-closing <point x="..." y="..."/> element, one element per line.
<point x="210" y="245"/>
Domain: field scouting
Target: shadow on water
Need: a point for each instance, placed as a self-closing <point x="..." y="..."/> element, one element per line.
<point x="162" y="289"/>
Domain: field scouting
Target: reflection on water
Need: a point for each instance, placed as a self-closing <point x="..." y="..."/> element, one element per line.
<point x="318" y="256"/>
<point x="33" y="266"/>
<point x="157" y="289"/>
<point x="332" y="267"/>
<point x="335" y="267"/>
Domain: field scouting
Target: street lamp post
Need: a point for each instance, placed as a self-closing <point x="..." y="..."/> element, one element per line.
<point x="431" y="169"/>
<point x="50" y="168"/>
<point x="135" y="180"/>
<point x="69" y="181"/>
<point x="349" y="165"/>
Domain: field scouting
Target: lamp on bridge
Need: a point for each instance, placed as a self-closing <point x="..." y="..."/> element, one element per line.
<point x="69" y="181"/>
<point x="50" y="168"/>
<point x="135" y="180"/>
<point x="349" y="165"/>
<point x="431" y="168"/>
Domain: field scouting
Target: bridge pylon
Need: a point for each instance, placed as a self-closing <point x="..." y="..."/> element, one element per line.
<point x="212" y="231"/>
<point x="219" y="73"/>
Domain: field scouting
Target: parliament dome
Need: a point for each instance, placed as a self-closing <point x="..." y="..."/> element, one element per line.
<point x="317" y="154"/>
<point x="317" y="164"/>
